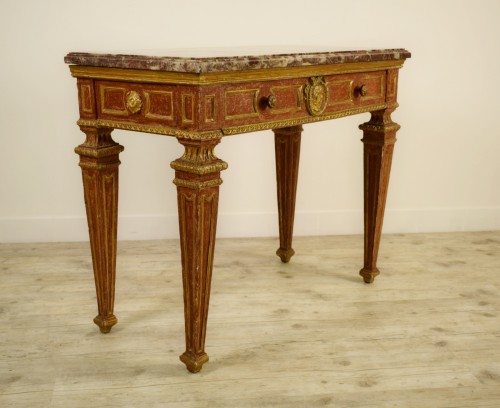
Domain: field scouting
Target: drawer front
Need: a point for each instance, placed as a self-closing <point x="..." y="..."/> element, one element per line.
<point x="168" y="105"/>
<point x="259" y="102"/>
<point x="232" y="107"/>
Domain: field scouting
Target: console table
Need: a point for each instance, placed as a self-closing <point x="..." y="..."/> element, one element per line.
<point x="199" y="99"/>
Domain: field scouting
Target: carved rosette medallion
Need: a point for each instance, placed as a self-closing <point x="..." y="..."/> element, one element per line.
<point x="134" y="102"/>
<point x="316" y="95"/>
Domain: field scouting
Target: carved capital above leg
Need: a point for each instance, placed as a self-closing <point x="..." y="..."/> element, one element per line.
<point x="199" y="158"/>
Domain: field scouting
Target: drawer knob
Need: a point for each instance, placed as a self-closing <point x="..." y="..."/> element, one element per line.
<point x="363" y="90"/>
<point x="271" y="101"/>
<point x="134" y="102"/>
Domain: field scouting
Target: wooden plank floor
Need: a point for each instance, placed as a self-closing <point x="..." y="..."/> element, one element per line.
<point x="305" y="334"/>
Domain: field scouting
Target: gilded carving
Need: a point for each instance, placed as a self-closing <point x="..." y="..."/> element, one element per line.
<point x="198" y="168"/>
<point x="160" y="130"/>
<point x="199" y="159"/>
<point x="316" y="95"/>
<point x="88" y="151"/>
<point x="299" y="121"/>
<point x="197" y="185"/>
<point x="134" y="102"/>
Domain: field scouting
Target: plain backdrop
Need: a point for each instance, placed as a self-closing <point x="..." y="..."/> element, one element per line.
<point x="446" y="170"/>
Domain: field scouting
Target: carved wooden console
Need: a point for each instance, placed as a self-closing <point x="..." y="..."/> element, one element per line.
<point x="199" y="100"/>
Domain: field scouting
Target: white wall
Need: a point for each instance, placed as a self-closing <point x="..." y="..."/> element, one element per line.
<point x="445" y="173"/>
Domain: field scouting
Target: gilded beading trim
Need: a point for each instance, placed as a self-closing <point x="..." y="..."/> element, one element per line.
<point x="381" y="128"/>
<point x="197" y="168"/>
<point x="160" y="130"/>
<point x="197" y="185"/>
<point x="299" y="121"/>
<point x="99" y="166"/>
<point x="98" y="153"/>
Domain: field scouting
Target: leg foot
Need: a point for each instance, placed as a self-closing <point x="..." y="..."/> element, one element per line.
<point x="105" y="323"/>
<point x="194" y="362"/>
<point x="369" y="275"/>
<point x="285" y="254"/>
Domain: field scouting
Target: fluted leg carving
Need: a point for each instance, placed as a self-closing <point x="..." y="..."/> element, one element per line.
<point x="99" y="162"/>
<point x="379" y="136"/>
<point x="197" y="177"/>
<point x="287" y="149"/>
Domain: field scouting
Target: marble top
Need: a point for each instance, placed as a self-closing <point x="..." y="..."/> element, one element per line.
<point x="226" y="59"/>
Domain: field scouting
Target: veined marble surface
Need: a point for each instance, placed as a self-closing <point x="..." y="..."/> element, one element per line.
<point x="231" y="59"/>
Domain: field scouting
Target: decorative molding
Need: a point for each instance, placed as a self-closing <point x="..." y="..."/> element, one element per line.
<point x="160" y="130"/>
<point x="299" y="121"/>
<point x="98" y="153"/>
<point x="197" y="185"/>
<point x="198" y="168"/>
<point x="199" y="159"/>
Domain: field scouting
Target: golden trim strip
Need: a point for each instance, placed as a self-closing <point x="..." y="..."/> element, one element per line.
<point x="299" y="121"/>
<point x="197" y="168"/>
<point x="100" y="166"/>
<point x="219" y="133"/>
<point x="138" y="75"/>
<point x="197" y="185"/>
<point x="98" y="153"/>
<point x="159" y="130"/>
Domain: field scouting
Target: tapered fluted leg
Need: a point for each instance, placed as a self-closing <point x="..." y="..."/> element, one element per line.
<point x="99" y="162"/>
<point x="287" y="149"/>
<point x="379" y="136"/>
<point x="197" y="177"/>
